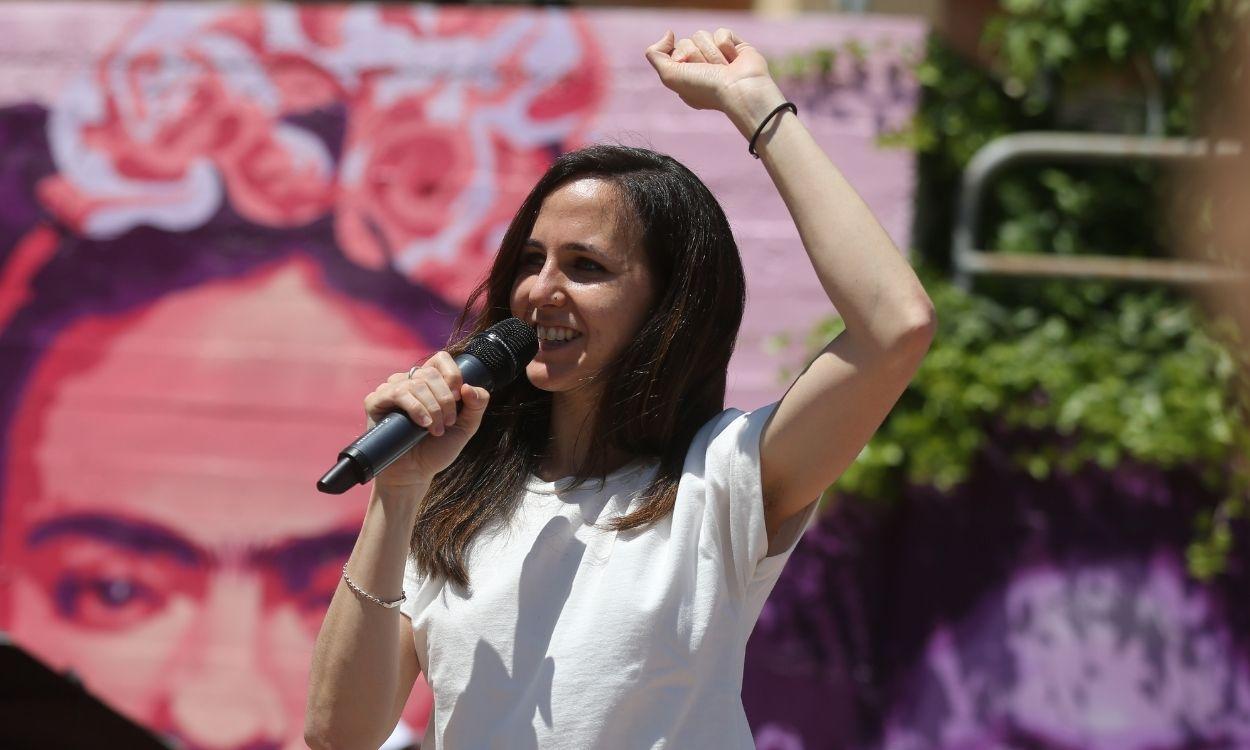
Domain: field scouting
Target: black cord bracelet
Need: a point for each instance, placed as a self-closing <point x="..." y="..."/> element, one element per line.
<point x="787" y="105"/>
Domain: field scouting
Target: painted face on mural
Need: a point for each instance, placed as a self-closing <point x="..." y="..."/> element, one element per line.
<point x="584" y="279"/>
<point x="159" y="524"/>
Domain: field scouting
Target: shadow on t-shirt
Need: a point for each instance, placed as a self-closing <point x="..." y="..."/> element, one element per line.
<point x="495" y="698"/>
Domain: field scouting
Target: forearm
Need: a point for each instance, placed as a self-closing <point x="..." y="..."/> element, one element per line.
<point x="865" y="276"/>
<point x="356" y="668"/>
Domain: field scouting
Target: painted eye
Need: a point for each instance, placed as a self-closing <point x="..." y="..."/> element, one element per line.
<point x="105" y="603"/>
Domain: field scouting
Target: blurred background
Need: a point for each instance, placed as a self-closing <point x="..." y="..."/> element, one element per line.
<point x="221" y="225"/>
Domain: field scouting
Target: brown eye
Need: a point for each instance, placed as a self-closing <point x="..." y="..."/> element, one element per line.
<point x="586" y="264"/>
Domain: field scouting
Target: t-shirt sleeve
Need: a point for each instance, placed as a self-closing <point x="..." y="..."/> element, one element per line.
<point x="736" y="500"/>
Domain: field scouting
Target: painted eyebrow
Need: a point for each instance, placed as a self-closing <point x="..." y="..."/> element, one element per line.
<point x="294" y="558"/>
<point x="297" y="559"/>
<point x="579" y="246"/>
<point x="137" y="536"/>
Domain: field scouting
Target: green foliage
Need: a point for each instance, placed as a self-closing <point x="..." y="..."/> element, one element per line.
<point x="1113" y="371"/>
<point x="1160" y="48"/>
<point x="1142" y="380"/>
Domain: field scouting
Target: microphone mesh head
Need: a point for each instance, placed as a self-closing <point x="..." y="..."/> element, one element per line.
<point x="505" y="348"/>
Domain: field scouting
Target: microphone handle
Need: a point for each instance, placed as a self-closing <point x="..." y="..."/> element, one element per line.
<point x="390" y="438"/>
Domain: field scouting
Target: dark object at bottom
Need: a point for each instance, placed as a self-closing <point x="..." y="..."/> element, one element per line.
<point x="41" y="708"/>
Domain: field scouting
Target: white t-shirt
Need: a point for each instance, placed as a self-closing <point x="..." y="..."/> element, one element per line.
<point x="571" y="636"/>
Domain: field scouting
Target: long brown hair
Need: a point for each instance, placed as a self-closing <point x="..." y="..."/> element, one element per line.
<point x="662" y="388"/>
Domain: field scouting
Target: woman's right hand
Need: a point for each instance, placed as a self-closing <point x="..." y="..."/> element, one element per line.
<point x="429" y="397"/>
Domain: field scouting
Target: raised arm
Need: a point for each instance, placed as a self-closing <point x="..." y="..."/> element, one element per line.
<point x="837" y="403"/>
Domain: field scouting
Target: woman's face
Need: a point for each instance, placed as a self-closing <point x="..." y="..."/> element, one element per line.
<point x="584" y="281"/>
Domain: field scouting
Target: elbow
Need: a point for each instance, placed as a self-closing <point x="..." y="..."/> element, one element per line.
<point x="315" y="740"/>
<point x="928" y="324"/>
<point x="316" y="734"/>
<point x="319" y="735"/>
<point x="919" y="330"/>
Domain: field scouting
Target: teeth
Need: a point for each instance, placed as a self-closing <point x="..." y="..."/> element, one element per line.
<point x="557" y="334"/>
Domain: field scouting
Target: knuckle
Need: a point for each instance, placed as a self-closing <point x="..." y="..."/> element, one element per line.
<point x="449" y="378"/>
<point x="413" y="406"/>
<point x="427" y="375"/>
<point x="432" y="406"/>
<point x="421" y="395"/>
<point x="454" y="376"/>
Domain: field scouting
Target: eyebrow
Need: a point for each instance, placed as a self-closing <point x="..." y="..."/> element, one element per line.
<point x="137" y="536"/>
<point x="294" y="557"/>
<point x="584" y="247"/>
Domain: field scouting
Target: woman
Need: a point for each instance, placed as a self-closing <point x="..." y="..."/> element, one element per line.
<point x="547" y="610"/>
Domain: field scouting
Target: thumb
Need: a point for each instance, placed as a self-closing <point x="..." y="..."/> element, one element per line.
<point x="475" y="401"/>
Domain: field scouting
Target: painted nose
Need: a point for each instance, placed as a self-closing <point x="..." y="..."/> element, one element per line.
<point x="225" y="696"/>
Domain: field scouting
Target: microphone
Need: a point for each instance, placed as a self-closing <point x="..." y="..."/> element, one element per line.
<point x="491" y="359"/>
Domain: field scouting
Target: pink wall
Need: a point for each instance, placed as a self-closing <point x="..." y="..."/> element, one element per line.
<point x="202" y="212"/>
<point x="783" y="295"/>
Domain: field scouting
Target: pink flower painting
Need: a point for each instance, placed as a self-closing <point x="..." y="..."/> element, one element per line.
<point x="450" y="116"/>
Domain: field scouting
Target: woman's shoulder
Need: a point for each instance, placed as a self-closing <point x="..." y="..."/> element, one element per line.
<point x="729" y="426"/>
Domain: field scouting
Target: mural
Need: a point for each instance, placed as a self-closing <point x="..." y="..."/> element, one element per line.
<point x="1009" y="613"/>
<point x="222" y="225"/>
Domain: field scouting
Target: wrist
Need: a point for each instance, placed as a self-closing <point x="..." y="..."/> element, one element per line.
<point x="748" y="105"/>
<point x="403" y="494"/>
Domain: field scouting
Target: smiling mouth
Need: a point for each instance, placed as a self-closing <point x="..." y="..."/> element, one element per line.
<point x="551" y="338"/>
<point x="549" y="345"/>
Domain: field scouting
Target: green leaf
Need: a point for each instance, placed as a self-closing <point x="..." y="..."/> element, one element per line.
<point x="1117" y="41"/>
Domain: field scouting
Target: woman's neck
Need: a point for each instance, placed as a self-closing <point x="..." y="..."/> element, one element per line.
<point x="572" y="423"/>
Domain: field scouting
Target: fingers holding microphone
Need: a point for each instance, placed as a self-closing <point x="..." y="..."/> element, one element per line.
<point x="429" y="395"/>
<point x="415" y="422"/>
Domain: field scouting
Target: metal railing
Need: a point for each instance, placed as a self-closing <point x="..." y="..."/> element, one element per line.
<point x="994" y="156"/>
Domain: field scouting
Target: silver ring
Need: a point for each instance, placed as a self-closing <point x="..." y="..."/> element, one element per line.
<point x="413" y="371"/>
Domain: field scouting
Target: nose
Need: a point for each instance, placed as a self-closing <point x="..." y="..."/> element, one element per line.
<point x="549" y="286"/>
<point x="224" y="694"/>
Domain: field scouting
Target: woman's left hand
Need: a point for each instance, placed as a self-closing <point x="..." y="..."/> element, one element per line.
<point x="713" y="71"/>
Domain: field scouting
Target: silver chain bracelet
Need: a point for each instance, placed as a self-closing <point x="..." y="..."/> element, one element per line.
<point x="389" y="605"/>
